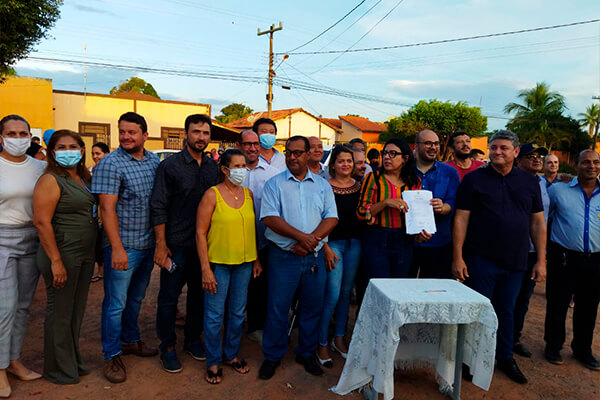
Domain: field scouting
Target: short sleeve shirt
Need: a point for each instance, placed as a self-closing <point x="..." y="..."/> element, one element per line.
<point x="500" y="214"/>
<point x="131" y="179"/>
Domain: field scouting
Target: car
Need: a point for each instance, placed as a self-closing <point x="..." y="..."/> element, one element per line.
<point x="163" y="154"/>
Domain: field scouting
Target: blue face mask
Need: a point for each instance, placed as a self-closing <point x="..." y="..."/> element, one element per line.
<point x="67" y="158"/>
<point x="267" y="140"/>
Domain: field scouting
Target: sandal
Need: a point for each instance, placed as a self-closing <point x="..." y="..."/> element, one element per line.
<point x="96" y="278"/>
<point x="238" y="366"/>
<point x="214" y="375"/>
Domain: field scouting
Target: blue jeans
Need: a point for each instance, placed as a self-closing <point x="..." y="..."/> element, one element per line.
<point x="123" y="295"/>
<point x="171" y="283"/>
<point x="340" y="281"/>
<point x="502" y="287"/>
<point x="288" y="273"/>
<point x="232" y="289"/>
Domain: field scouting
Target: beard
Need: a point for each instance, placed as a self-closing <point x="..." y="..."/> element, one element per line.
<point x="462" y="156"/>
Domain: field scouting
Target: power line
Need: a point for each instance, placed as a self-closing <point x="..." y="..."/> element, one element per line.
<point x="328" y="29"/>
<point x="361" y="38"/>
<point x="462" y="39"/>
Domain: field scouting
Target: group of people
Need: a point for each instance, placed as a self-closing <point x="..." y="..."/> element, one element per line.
<point x="262" y="232"/>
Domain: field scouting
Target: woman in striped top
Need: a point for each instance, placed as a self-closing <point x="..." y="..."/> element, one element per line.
<point x="386" y="248"/>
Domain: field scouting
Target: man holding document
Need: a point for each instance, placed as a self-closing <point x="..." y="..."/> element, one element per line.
<point x="433" y="259"/>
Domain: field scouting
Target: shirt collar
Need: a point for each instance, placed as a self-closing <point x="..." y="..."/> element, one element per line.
<point x="309" y="175"/>
<point x="575" y="182"/>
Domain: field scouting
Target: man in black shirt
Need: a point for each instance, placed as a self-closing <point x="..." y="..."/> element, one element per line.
<point x="497" y="209"/>
<point x="180" y="183"/>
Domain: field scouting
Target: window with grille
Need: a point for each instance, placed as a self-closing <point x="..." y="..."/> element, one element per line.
<point x="100" y="132"/>
<point x="173" y="137"/>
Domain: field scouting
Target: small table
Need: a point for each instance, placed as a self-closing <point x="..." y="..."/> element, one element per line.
<point x="407" y="323"/>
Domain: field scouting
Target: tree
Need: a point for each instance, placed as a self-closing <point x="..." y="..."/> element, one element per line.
<point x="579" y="139"/>
<point x="540" y="118"/>
<point x="23" y="23"/>
<point x="442" y="117"/>
<point x="591" y="118"/>
<point x="136" y="85"/>
<point x="233" y="112"/>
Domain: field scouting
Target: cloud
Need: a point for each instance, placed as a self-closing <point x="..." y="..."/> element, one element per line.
<point x="47" y="66"/>
<point x="93" y="10"/>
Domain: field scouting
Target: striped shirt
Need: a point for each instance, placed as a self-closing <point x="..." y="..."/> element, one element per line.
<point x="375" y="188"/>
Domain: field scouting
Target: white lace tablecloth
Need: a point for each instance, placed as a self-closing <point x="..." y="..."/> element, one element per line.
<point x="405" y="323"/>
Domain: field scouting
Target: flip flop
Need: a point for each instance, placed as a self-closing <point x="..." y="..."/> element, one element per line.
<point x="96" y="278"/>
<point x="212" y="375"/>
<point x="327" y="363"/>
<point x="238" y="365"/>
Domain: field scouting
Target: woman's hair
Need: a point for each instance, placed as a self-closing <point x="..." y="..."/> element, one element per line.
<point x="225" y="161"/>
<point x="372" y="154"/>
<point x="337" y="150"/>
<point x="53" y="166"/>
<point x="408" y="173"/>
<point x="102" y="146"/>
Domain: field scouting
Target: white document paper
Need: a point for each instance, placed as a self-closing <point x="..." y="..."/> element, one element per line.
<point x="420" y="212"/>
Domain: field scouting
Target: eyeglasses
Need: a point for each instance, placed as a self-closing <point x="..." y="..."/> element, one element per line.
<point x="534" y="156"/>
<point x="391" y="153"/>
<point x="250" y="144"/>
<point x="295" y="153"/>
<point x="430" y="144"/>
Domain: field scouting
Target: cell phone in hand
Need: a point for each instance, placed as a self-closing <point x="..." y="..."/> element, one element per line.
<point x="171" y="265"/>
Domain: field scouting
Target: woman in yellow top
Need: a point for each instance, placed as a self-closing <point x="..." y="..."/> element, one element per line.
<point x="226" y="241"/>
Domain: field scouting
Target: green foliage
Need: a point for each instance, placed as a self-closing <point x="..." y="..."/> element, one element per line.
<point x="578" y="139"/>
<point x="233" y="112"/>
<point x="591" y="118"/>
<point x="566" y="169"/>
<point x="540" y="118"/>
<point x="444" y="118"/>
<point x="137" y="85"/>
<point x="23" y="23"/>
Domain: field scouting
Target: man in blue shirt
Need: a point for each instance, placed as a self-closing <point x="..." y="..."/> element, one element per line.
<point x="498" y="207"/>
<point x="433" y="259"/>
<point x="259" y="172"/>
<point x="123" y="180"/>
<point x="266" y="130"/>
<point x="298" y="208"/>
<point x="574" y="261"/>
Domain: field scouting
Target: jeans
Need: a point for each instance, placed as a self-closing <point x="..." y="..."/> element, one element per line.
<point x="171" y="283"/>
<point x="232" y="289"/>
<point x="340" y="281"/>
<point x="522" y="304"/>
<point x="386" y="252"/>
<point x="123" y="295"/>
<point x="288" y="273"/>
<point x="502" y="287"/>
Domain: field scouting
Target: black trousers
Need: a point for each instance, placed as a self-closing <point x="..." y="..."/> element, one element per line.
<point x="525" y="293"/>
<point x="256" y="305"/>
<point x="431" y="262"/>
<point x="571" y="274"/>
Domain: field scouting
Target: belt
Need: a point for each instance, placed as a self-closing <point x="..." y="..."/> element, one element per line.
<point x="578" y="254"/>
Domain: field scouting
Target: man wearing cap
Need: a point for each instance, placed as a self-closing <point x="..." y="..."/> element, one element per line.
<point x="497" y="209"/>
<point x="529" y="160"/>
<point x="574" y="261"/>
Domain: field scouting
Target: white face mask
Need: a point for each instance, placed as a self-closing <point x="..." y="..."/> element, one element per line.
<point x="237" y="175"/>
<point x="16" y="147"/>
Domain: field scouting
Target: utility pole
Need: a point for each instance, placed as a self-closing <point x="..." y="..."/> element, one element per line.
<point x="271" y="72"/>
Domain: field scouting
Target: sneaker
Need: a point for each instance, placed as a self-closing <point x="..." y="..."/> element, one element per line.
<point x="510" y="368"/>
<point x="114" y="370"/>
<point x="553" y="357"/>
<point x="588" y="361"/>
<point x="196" y="350"/>
<point x="267" y="369"/>
<point x="169" y="361"/>
<point x="139" y="348"/>
<point x="520" y="349"/>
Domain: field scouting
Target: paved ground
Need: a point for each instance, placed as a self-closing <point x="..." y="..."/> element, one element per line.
<point x="147" y="380"/>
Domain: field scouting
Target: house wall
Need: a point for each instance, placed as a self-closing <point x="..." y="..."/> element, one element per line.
<point x="349" y="132"/>
<point x="304" y="124"/>
<point x="30" y="98"/>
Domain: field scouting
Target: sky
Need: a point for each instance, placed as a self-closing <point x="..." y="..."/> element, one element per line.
<point x="219" y="39"/>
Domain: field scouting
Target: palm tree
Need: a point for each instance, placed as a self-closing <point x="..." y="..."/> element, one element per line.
<point x="533" y="120"/>
<point x="591" y="118"/>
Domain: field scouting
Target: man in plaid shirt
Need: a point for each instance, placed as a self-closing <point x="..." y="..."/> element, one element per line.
<point x="123" y="181"/>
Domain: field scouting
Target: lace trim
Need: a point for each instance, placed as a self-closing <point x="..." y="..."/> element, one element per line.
<point x="348" y="190"/>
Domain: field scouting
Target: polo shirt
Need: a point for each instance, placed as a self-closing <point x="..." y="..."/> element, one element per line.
<point x="302" y="204"/>
<point x="179" y="186"/>
<point x="119" y="173"/>
<point x="442" y="180"/>
<point x="255" y="181"/>
<point x="501" y="209"/>
<point x="575" y="217"/>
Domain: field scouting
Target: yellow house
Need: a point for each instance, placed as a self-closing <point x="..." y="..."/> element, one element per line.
<point x="30" y="98"/>
<point x="291" y="122"/>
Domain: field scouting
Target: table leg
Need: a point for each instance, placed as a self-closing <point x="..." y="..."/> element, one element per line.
<point x="460" y="340"/>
